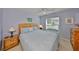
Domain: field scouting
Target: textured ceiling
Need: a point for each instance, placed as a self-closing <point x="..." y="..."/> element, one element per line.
<point x="40" y="11"/>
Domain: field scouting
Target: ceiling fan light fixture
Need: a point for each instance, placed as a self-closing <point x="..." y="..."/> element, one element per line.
<point x="44" y="11"/>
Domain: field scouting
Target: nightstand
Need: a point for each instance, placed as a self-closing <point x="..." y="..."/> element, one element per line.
<point x="10" y="42"/>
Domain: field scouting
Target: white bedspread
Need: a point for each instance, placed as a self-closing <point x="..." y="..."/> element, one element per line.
<point x="39" y="40"/>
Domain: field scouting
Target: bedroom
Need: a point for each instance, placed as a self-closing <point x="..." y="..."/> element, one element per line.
<point x="14" y="17"/>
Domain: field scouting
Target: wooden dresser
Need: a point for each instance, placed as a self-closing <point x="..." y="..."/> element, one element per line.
<point x="75" y="38"/>
<point x="10" y="42"/>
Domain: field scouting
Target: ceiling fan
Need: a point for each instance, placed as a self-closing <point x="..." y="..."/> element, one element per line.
<point x="45" y="11"/>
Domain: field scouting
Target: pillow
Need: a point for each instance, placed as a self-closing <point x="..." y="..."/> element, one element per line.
<point x="25" y="30"/>
<point x="35" y="28"/>
<point x="30" y="29"/>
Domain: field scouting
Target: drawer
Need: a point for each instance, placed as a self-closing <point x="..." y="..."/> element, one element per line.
<point x="10" y="45"/>
<point x="7" y="42"/>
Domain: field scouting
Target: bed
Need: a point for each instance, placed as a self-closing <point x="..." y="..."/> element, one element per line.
<point x="38" y="40"/>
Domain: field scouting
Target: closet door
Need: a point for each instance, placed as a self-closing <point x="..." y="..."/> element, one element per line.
<point x="0" y="33"/>
<point x="0" y="28"/>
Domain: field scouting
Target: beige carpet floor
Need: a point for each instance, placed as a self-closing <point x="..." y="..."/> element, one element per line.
<point x="65" y="45"/>
<point x="16" y="48"/>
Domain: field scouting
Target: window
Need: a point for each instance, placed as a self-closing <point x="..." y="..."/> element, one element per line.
<point x="52" y="23"/>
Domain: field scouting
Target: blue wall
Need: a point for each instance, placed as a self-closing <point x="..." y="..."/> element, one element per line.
<point x="13" y="17"/>
<point x="64" y="31"/>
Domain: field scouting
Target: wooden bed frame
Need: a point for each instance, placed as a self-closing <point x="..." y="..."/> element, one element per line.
<point x="24" y="25"/>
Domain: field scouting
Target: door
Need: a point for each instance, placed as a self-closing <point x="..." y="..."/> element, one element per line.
<point x="0" y="34"/>
<point x="0" y="28"/>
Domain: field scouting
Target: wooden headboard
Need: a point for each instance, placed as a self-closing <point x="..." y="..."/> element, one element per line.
<point x="24" y="25"/>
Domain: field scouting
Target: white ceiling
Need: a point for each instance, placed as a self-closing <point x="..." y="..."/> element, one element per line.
<point x="40" y="11"/>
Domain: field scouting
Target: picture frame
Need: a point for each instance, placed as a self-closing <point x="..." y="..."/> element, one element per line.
<point x="29" y="20"/>
<point x="69" y="20"/>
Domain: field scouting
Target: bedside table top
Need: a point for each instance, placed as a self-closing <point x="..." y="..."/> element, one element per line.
<point x="14" y="36"/>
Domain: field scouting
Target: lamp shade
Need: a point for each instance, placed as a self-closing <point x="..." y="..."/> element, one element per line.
<point x="40" y="26"/>
<point x="11" y="29"/>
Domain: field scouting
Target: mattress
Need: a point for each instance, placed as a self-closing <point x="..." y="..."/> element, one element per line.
<point x="39" y="40"/>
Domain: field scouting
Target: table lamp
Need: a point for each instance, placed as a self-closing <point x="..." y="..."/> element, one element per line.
<point x="11" y="30"/>
<point x="41" y="27"/>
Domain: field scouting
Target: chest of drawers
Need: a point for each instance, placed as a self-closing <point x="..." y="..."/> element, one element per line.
<point x="75" y="39"/>
<point x="10" y="42"/>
